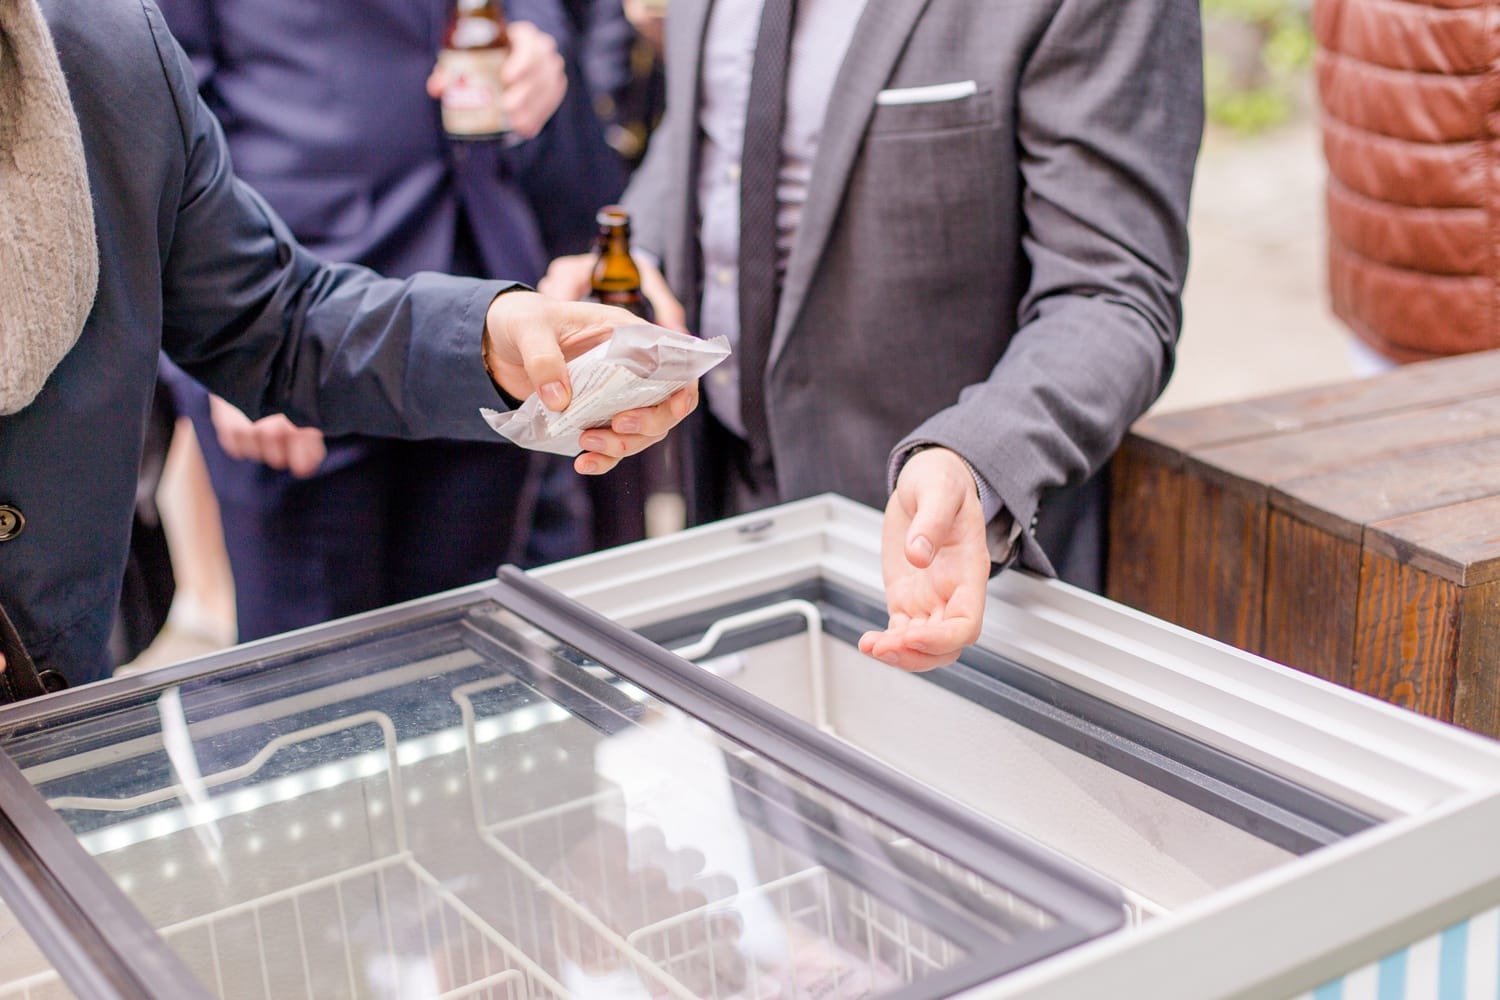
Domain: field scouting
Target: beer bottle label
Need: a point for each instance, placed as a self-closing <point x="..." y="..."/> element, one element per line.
<point x="471" y="96"/>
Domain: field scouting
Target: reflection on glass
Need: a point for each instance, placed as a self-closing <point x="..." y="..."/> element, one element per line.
<point x="470" y="809"/>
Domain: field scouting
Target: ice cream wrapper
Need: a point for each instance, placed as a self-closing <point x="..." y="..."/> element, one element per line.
<point x="640" y="365"/>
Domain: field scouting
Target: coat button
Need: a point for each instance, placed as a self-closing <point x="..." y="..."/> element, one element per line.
<point x="11" y="522"/>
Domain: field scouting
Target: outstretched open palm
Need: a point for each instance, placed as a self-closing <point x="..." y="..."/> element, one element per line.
<point x="936" y="562"/>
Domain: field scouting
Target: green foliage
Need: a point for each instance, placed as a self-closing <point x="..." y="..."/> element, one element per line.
<point x="1248" y="10"/>
<point x="1256" y="53"/>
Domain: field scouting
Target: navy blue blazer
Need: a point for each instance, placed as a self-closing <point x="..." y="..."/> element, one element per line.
<point x="194" y="263"/>
<point x="374" y="180"/>
<point x="344" y="142"/>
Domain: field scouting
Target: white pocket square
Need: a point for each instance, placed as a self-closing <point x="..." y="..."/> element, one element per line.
<point x="928" y="95"/>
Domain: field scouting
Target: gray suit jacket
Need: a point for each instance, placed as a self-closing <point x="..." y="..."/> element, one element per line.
<point x="998" y="273"/>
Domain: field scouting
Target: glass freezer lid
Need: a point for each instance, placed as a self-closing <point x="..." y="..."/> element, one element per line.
<point x="509" y="797"/>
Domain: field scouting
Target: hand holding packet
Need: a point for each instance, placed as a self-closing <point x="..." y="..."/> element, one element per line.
<point x="641" y="365"/>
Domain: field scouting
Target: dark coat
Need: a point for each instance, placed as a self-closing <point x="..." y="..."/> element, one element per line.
<point x="194" y="263"/>
<point x="326" y="114"/>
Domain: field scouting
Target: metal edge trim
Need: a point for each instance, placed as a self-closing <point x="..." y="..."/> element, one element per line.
<point x="257" y="653"/>
<point x="95" y="937"/>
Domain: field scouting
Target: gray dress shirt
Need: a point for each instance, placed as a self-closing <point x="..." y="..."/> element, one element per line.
<point x="823" y="31"/>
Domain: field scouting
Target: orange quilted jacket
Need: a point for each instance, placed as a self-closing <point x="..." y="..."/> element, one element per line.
<point x="1410" y="91"/>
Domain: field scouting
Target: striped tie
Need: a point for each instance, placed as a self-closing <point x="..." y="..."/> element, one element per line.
<point x="760" y="287"/>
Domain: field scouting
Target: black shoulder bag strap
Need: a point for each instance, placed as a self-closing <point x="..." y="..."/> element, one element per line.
<point x="19" y="680"/>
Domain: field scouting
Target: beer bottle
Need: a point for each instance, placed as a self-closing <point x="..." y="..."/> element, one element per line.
<point x="648" y="480"/>
<point x="616" y="280"/>
<point x="474" y="50"/>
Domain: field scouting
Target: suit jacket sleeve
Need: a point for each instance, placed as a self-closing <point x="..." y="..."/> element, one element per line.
<point x="566" y="200"/>
<point x="261" y="322"/>
<point x="1110" y="115"/>
<point x="649" y="192"/>
<point x="193" y="24"/>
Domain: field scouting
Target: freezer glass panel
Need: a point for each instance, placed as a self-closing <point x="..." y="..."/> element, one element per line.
<point x="463" y="805"/>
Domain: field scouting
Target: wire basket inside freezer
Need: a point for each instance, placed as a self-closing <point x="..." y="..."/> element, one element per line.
<point x="619" y="886"/>
<point x="548" y="830"/>
<point x="376" y="923"/>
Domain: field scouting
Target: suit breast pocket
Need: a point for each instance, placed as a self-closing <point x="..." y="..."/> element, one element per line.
<point x="932" y="107"/>
<point x="935" y="178"/>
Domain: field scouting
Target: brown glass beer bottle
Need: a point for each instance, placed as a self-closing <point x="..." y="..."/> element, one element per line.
<point x="474" y="50"/>
<point x="616" y="280"/>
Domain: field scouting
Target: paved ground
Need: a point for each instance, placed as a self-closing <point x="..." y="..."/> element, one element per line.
<point x="1256" y="316"/>
<point x="1256" y="322"/>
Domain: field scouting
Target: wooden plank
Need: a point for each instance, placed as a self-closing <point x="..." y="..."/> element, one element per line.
<point x="1330" y="458"/>
<point x="1224" y="485"/>
<point x="1284" y="457"/>
<point x="1145" y="528"/>
<point x="1343" y="501"/>
<point x="1316" y="528"/>
<point x="1459" y="543"/>
<point x="1409" y="387"/>
<point x="1312" y="580"/>
<point x="1223" y="563"/>
<point x="1430" y="603"/>
<point x="1406" y="635"/>
<point x="1248" y="470"/>
<point x="1476" y="675"/>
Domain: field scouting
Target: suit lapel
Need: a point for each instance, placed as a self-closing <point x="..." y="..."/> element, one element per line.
<point x="873" y="52"/>
<point x="684" y="45"/>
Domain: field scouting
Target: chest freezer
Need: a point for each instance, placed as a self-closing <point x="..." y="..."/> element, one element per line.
<point x="666" y="771"/>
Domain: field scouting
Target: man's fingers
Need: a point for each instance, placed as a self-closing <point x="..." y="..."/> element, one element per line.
<point x="931" y="522"/>
<point x="656" y="421"/>
<point x="533" y="79"/>
<point x="542" y="361"/>
<point x="919" y="646"/>
<point x="592" y="463"/>
<point x="273" y="451"/>
<point x="305" y="453"/>
<point x="935" y="483"/>
<point x="632" y="432"/>
<point x="668" y="310"/>
<point x="890" y="650"/>
<point x="567" y="278"/>
<point x="530" y="337"/>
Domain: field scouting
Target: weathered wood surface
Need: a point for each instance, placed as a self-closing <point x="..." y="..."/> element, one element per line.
<point x="1406" y="636"/>
<point x="1352" y="531"/>
<point x="1317" y="527"/>
<point x="1452" y="552"/>
<point x="1418" y="386"/>
<point x="1312" y="582"/>
<point x="1222" y="578"/>
<point x="1145" y="533"/>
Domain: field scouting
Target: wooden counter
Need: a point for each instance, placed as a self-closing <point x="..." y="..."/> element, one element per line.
<point x="1352" y="531"/>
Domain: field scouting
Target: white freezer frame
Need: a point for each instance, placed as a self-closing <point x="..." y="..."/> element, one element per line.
<point x="1430" y="864"/>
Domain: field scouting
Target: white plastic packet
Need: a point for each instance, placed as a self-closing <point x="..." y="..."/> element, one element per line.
<point x="641" y="365"/>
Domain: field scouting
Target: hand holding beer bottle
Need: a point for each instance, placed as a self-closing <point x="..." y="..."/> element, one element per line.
<point x="616" y="280"/>
<point x="492" y="78"/>
<point x="614" y="275"/>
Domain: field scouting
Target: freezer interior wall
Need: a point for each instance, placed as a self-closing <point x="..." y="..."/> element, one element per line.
<point x="1162" y="851"/>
